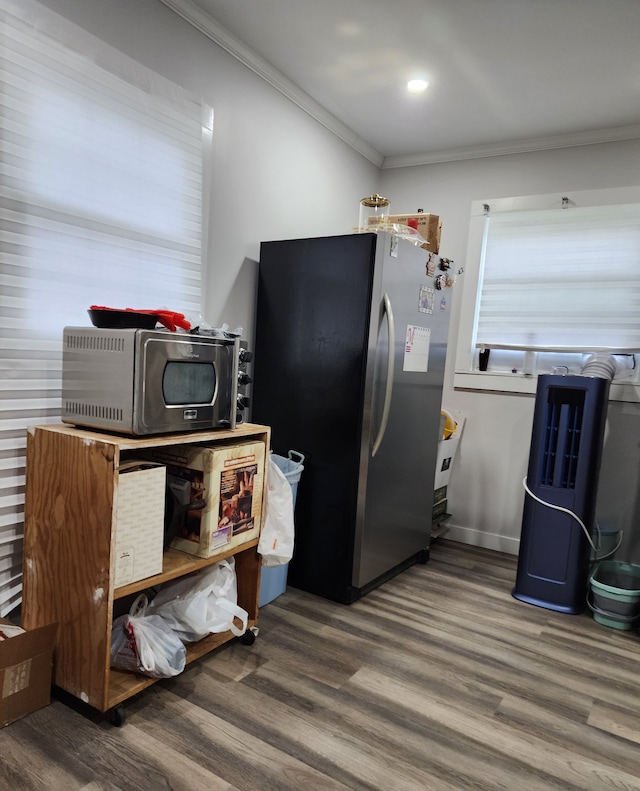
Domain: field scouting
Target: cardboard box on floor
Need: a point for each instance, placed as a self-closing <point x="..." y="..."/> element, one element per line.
<point x="26" y="664"/>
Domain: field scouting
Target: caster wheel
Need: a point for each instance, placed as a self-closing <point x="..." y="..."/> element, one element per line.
<point x="117" y="716"/>
<point x="249" y="637"/>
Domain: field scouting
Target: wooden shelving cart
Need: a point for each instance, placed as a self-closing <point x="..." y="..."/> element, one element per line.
<point x="71" y="494"/>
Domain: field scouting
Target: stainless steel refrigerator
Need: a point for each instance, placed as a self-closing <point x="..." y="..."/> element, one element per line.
<point x="350" y="345"/>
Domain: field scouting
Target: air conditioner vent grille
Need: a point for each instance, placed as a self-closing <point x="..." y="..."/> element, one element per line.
<point x="562" y="435"/>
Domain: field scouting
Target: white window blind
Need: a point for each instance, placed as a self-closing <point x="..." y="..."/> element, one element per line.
<point x="101" y="187"/>
<point x="564" y="278"/>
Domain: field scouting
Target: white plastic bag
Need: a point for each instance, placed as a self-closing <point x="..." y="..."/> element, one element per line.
<point x="146" y="644"/>
<point x="277" y="534"/>
<point x="203" y="603"/>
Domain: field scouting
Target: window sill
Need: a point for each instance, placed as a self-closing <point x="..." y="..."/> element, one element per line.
<point x="519" y="384"/>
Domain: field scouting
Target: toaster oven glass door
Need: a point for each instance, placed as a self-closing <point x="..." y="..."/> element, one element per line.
<point x="180" y="383"/>
<point x="188" y="383"/>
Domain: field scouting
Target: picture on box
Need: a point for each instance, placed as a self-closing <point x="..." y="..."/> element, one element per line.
<point x="236" y="498"/>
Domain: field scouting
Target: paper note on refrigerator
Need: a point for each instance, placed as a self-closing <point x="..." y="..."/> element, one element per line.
<point x="416" y="349"/>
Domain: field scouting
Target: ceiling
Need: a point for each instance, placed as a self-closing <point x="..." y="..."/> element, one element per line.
<point x="504" y="75"/>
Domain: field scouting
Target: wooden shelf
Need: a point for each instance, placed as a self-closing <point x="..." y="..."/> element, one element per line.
<point x="71" y="487"/>
<point x="126" y="443"/>
<point x="123" y="685"/>
<point x="177" y="564"/>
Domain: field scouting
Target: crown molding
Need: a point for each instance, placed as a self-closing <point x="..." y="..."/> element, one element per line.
<point x="613" y="135"/>
<point x="224" y="39"/>
<point x="207" y="25"/>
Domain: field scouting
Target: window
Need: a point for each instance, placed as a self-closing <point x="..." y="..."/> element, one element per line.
<point x="549" y="280"/>
<point x="101" y="202"/>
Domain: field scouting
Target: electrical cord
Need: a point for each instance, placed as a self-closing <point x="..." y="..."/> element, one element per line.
<point x="560" y="508"/>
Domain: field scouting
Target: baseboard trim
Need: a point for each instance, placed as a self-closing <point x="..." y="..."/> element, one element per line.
<point x="483" y="538"/>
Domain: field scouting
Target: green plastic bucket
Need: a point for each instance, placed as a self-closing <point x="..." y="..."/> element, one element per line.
<point x="613" y="620"/>
<point x="615" y="588"/>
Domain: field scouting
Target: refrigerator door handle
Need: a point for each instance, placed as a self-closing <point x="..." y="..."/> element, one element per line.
<point x="386" y="308"/>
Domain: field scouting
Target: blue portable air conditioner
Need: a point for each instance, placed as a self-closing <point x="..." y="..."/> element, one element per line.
<point x="561" y="489"/>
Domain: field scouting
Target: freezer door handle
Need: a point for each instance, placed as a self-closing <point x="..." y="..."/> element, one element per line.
<point x="386" y="308"/>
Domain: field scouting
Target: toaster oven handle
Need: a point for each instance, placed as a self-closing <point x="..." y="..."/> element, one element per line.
<point x="386" y="308"/>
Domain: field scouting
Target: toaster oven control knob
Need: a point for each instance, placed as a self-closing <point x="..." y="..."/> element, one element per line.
<point x="245" y="356"/>
<point x="243" y="401"/>
<point x="244" y="379"/>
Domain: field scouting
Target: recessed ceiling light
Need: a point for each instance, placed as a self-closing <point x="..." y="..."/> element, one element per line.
<point x="417" y="86"/>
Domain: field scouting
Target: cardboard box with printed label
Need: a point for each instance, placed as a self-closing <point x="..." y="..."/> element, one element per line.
<point x="447" y="450"/>
<point x="427" y="225"/>
<point x="446" y="453"/>
<point x="139" y="521"/>
<point x="26" y="663"/>
<point x="219" y="492"/>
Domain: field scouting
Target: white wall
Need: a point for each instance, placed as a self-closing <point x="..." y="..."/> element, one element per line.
<point x="277" y="173"/>
<point x="486" y="494"/>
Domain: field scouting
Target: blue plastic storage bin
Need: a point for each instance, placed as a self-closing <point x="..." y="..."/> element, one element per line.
<point x="273" y="579"/>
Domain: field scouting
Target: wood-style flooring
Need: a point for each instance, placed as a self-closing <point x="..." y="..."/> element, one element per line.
<point x="438" y="680"/>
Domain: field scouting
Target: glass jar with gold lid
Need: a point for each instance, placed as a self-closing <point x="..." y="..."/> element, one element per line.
<point x="374" y="211"/>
